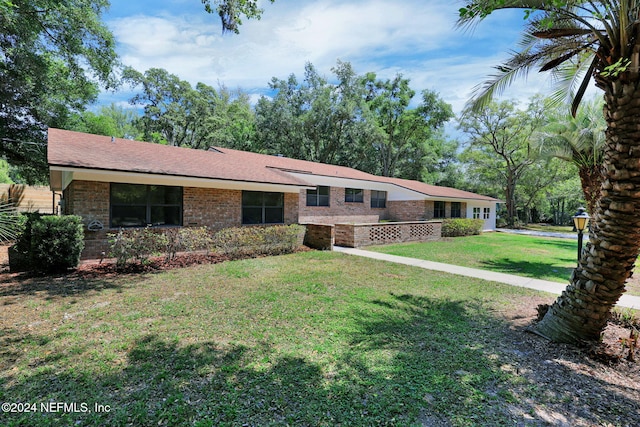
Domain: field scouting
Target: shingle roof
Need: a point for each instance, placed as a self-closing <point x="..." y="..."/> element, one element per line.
<point x="81" y="150"/>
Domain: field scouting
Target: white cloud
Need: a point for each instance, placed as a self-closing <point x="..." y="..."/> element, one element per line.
<point x="412" y="37"/>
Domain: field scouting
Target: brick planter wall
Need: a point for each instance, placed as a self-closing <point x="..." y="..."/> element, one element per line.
<point x="320" y="236"/>
<point x="357" y="235"/>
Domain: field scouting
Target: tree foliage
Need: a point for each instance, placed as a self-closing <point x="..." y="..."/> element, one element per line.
<point x="500" y="144"/>
<point x="232" y="11"/>
<point x="316" y="120"/>
<point x="580" y="140"/>
<point x="53" y="54"/>
<point x="409" y="136"/>
<point x="177" y="114"/>
<point x="356" y="121"/>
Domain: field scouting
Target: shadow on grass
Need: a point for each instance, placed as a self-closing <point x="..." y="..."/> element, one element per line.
<point x="55" y="285"/>
<point x="536" y="270"/>
<point x="408" y="360"/>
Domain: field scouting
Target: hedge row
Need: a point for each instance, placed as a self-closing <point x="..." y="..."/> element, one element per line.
<point x="137" y="245"/>
<point x="455" y="227"/>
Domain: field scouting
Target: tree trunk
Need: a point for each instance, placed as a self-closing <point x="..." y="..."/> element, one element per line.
<point x="581" y="312"/>
<point x="591" y="180"/>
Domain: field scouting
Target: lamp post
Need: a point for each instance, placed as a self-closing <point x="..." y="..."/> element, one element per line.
<point x="580" y="221"/>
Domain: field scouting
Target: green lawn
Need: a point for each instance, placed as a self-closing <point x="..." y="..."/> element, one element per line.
<point x="550" y="228"/>
<point x="316" y="339"/>
<point x="538" y="257"/>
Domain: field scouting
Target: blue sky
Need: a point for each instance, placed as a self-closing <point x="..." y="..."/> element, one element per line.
<point x="415" y="38"/>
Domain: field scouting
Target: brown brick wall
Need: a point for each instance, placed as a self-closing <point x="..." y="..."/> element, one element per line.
<point x="409" y="210"/>
<point x="320" y="236"/>
<point x="340" y="211"/>
<point x="211" y="207"/>
<point x="419" y="210"/>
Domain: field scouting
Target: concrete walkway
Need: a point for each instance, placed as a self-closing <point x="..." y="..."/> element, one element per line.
<point x="509" y="279"/>
<point x="542" y="233"/>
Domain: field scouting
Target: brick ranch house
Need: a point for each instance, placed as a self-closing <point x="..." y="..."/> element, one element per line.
<point x="113" y="183"/>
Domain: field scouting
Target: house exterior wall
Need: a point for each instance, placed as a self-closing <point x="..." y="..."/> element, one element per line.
<point x="340" y="211"/>
<point x="210" y="207"/>
<point x="419" y="210"/>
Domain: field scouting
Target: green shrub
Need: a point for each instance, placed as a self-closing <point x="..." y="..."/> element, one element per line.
<point x="56" y="242"/>
<point x="255" y="241"/>
<point x="454" y="227"/>
<point x="136" y="244"/>
<point x="187" y="240"/>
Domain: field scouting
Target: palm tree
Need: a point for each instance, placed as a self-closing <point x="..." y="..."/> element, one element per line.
<point x="578" y="41"/>
<point x="580" y="140"/>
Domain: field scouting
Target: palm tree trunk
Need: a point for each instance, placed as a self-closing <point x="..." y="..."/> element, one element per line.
<point x="581" y="312"/>
<point x="591" y="179"/>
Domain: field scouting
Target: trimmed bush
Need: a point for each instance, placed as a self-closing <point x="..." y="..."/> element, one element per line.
<point x="455" y="227"/>
<point x="137" y="244"/>
<point x="187" y="240"/>
<point x="56" y="242"/>
<point x="255" y="241"/>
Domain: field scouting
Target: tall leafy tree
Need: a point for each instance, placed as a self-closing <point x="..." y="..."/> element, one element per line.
<point x="407" y="135"/>
<point x="500" y="141"/>
<point x="579" y="140"/>
<point x="110" y="120"/>
<point x="177" y="114"/>
<point x="580" y="41"/>
<point x="53" y="54"/>
<point x="232" y="11"/>
<point x="317" y="120"/>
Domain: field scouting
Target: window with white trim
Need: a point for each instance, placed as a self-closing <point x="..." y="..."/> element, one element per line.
<point x="486" y="213"/>
<point x="476" y="213"/>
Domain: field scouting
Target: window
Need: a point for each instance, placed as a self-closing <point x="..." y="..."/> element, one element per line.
<point x="378" y="199"/>
<point x="476" y="213"/>
<point x="456" y="210"/>
<point x="438" y="209"/>
<point x="136" y="205"/>
<point x="262" y="208"/>
<point x="353" y="195"/>
<point x="318" y="196"/>
<point x="486" y="213"/>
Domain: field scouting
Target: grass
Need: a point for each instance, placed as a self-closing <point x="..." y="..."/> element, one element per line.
<point x="550" y="228"/>
<point x="313" y="338"/>
<point x="538" y="257"/>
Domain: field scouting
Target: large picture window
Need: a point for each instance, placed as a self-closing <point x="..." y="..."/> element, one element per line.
<point x="137" y="205"/>
<point x="354" y="195"/>
<point x="319" y="196"/>
<point x="456" y="210"/>
<point x="438" y="209"/>
<point x="378" y="199"/>
<point x="262" y="208"/>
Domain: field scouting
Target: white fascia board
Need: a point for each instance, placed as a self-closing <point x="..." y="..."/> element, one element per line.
<point x="79" y="174"/>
